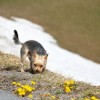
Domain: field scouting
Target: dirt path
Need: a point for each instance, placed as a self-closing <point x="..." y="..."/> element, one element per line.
<point x="6" y="95"/>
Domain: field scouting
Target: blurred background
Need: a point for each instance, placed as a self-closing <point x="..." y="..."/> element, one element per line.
<point x="75" y="24"/>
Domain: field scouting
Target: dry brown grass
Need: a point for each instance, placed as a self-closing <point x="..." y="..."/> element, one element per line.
<point x="47" y="82"/>
<point x="74" y="23"/>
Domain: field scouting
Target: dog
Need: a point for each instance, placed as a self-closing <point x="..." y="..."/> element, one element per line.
<point x="34" y="51"/>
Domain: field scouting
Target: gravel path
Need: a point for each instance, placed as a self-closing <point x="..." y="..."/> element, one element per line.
<point x="6" y="95"/>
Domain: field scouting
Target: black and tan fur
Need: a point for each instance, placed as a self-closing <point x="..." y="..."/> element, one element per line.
<point x="34" y="51"/>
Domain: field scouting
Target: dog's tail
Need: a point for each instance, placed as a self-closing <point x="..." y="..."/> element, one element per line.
<point x="16" y="38"/>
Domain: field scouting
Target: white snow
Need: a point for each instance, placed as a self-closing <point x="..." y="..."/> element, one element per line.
<point x="60" y="60"/>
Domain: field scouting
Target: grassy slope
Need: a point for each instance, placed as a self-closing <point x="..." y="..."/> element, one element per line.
<point x="54" y="85"/>
<point x="74" y="23"/>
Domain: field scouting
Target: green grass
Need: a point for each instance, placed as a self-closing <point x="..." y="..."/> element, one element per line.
<point x="74" y="23"/>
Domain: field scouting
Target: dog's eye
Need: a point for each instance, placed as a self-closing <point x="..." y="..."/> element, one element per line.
<point x="34" y="64"/>
<point x="41" y="66"/>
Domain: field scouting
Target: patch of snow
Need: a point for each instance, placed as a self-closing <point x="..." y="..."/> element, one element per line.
<point x="60" y="60"/>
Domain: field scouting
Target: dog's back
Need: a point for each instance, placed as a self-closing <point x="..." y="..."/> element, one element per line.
<point x="31" y="45"/>
<point x="34" y="46"/>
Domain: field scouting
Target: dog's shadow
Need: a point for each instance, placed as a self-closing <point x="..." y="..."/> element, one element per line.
<point x="17" y="69"/>
<point x="29" y="70"/>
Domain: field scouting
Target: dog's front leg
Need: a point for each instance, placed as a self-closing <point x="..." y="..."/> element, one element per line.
<point x="31" y="64"/>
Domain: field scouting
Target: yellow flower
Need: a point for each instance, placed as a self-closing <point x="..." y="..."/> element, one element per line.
<point x="86" y="99"/>
<point x="22" y="86"/>
<point x="33" y="88"/>
<point x="30" y="96"/>
<point x="33" y="83"/>
<point x="22" y="93"/>
<point x="25" y="86"/>
<point x="67" y="89"/>
<point x="18" y="84"/>
<point x="72" y="98"/>
<point x="19" y="89"/>
<point x="53" y="97"/>
<point x="93" y="98"/>
<point x="28" y="88"/>
<point x="67" y="83"/>
<point x="71" y="87"/>
<point x="72" y="82"/>
<point x="14" y="83"/>
<point x="23" y="90"/>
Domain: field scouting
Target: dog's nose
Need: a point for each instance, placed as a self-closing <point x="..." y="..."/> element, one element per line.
<point x="37" y="71"/>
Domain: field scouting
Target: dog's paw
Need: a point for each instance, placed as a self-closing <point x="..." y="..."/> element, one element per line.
<point x="22" y="70"/>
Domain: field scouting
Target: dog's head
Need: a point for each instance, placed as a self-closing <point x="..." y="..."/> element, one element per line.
<point x="39" y="63"/>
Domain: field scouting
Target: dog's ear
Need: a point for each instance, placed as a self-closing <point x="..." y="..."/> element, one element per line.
<point x="46" y="56"/>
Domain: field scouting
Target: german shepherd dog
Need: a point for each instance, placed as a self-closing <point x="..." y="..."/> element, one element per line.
<point x="34" y="51"/>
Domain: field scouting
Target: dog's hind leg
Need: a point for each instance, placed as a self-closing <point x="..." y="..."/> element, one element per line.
<point x="23" y="55"/>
